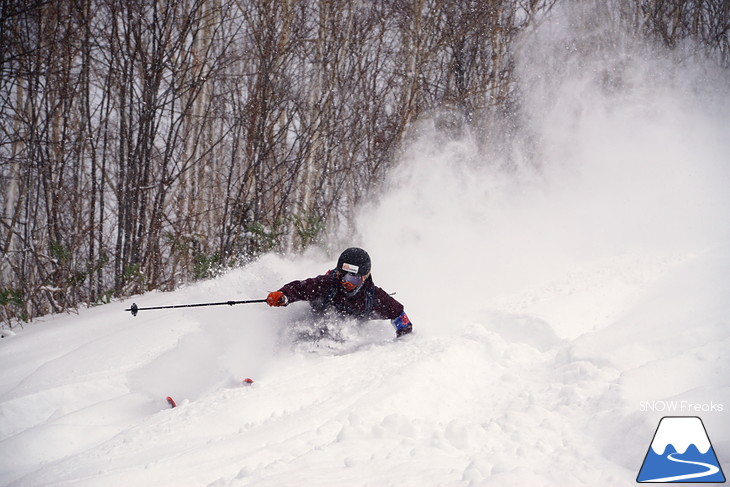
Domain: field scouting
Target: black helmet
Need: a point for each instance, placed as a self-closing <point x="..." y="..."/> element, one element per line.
<point x="354" y="260"/>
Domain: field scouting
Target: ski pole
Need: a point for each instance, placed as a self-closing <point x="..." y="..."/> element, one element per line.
<point x="135" y="309"/>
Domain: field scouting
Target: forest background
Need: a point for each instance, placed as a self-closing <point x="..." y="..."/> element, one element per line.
<point x="147" y="144"/>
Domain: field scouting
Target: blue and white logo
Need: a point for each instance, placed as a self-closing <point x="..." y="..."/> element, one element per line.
<point x="681" y="452"/>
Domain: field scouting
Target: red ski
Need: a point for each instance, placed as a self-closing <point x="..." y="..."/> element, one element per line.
<point x="171" y="402"/>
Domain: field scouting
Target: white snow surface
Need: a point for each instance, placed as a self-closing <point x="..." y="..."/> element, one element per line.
<point x="549" y="304"/>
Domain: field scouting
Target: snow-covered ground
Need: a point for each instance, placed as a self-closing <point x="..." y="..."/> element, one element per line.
<point x="552" y="307"/>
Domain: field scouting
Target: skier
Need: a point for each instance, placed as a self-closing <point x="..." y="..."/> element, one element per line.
<point x="349" y="290"/>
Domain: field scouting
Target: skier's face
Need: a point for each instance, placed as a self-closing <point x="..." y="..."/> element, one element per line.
<point x="351" y="281"/>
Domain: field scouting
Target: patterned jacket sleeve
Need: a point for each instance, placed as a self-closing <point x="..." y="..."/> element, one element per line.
<point x="307" y="289"/>
<point x="385" y="306"/>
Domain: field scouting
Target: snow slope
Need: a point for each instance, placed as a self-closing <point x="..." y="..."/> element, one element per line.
<point x="550" y="305"/>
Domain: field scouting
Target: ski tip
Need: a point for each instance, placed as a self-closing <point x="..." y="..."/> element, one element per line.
<point x="247" y="381"/>
<point x="171" y="402"/>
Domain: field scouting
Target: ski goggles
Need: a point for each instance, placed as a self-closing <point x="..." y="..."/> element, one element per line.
<point x="351" y="281"/>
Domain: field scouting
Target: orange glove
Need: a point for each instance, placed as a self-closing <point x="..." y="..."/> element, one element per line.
<point x="277" y="298"/>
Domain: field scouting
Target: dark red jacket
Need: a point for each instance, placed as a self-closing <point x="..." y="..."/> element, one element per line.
<point x="371" y="302"/>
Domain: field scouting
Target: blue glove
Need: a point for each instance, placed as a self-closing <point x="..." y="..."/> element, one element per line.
<point x="402" y="325"/>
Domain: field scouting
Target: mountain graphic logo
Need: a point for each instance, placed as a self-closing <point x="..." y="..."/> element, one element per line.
<point x="681" y="452"/>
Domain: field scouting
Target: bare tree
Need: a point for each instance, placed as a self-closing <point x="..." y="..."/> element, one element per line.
<point x="145" y="144"/>
<point x="673" y="21"/>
